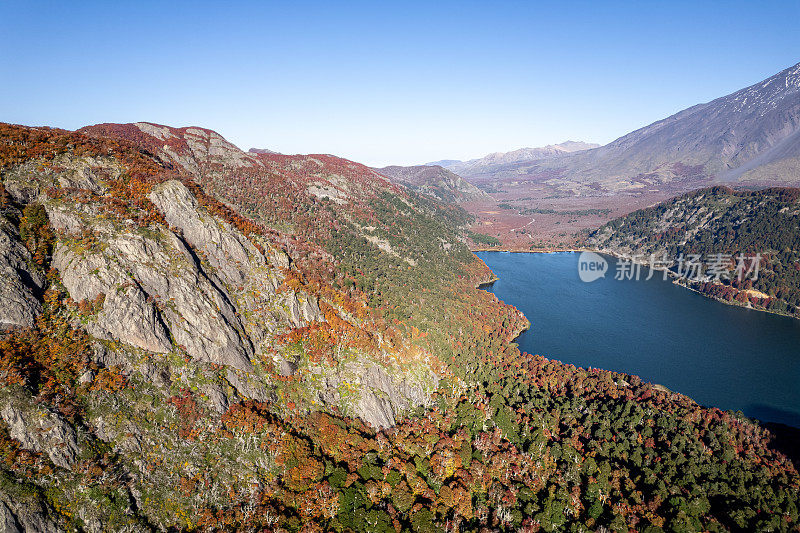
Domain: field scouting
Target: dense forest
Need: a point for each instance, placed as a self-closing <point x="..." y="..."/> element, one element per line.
<point x="721" y="220"/>
<point x="504" y="441"/>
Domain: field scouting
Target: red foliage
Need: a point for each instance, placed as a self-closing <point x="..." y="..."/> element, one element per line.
<point x="188" y="411"/>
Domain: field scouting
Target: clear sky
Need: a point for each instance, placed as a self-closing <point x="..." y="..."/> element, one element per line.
<point x="385" y="82"/>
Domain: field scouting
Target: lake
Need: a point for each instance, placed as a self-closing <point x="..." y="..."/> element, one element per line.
<point x="719" y="355"/>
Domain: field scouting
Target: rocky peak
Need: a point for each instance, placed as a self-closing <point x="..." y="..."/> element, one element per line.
<point x="192" y="149"/>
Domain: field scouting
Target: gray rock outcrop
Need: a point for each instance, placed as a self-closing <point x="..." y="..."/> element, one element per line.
<point x="249" y="278"/>
<point x="380" y="397"/>
<point x="187" y="287"/>
<point x="19" y="281"/>
<point x="25" y="515"/>
<point x="136" y="273"/>
<point x="231" y="254"/>
<point x="41" y="431"/>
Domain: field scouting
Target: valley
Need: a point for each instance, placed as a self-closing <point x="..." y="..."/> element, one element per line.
<point x="525" y="216"/>
<point x="748" y="139"/>
<point x="328" y="332"/>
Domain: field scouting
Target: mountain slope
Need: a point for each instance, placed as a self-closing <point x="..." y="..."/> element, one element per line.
<point x="721" y="220"/>
<point x="435" y="181"/>
<point x="746" y="135"/>
<point x="484" y="168"/>
<point x="212" y="340"/>
<point x="173" y="266"/>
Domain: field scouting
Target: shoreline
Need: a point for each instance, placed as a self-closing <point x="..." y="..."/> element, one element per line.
<point x="781" y="428"/>
<point x="487" y="283"/>
<point x="676" y="280"/>
<point x="521" y="251"/>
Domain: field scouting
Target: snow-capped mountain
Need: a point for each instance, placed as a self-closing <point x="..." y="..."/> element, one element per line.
<point x="752" y="135"/>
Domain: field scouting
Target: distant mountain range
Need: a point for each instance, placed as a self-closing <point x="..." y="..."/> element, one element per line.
<point x="435" y="181"/>
<point x="749" y="137"/>
<point x="443" y="162"/>
<point x="261" y="151"/>
<point x="496" y="160"/>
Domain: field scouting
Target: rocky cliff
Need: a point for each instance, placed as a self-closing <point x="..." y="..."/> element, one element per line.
<point x="169" y="291"/>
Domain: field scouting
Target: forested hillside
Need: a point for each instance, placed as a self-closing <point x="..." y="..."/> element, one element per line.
<point x="721" y="220"/>
<point x="434" y="181"/>
<point x="198" y="338"/>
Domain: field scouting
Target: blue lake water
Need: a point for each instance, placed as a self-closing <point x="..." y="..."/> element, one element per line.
<point x="719" y="355"/>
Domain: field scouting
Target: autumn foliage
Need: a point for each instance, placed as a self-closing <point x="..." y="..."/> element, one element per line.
<point x="508" y="442"/>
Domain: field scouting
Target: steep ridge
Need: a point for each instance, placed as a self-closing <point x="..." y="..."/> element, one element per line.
<point x="231" y="341"/>
<point x="191" y="275"/>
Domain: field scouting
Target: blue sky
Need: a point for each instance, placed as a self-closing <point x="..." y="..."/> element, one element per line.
<point x="385" y="83"/>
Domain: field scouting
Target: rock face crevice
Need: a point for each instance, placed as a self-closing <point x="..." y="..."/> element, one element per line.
<point x="231" y="254"/>
<point x="192" y="285"/>
<point x="21" y="284"/>
<point x="24" y="515"/>
<point x="143" y="281"/>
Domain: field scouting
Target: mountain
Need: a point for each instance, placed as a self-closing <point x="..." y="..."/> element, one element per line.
<point x="195" y="338"/>
<point x="435" y="181"/>
<point x="714" y="221"/>
<point x="261" y="151"/>
<point x="478" y="169"/>
<point x="160" y="238"/>
<point x="444" y="162"/>
<point x="751" y="136"/>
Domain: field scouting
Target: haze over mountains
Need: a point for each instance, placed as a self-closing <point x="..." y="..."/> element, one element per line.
<point x="751" y="136"/>
<point x="549" y="195"/>
<point x="474" y="168"/>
